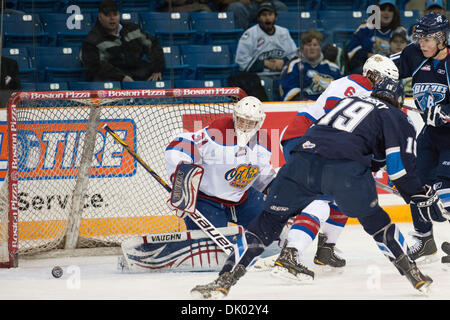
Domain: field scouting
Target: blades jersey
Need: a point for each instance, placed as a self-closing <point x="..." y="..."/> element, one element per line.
<point x="366" y="127"/>
<point x="352" y="85"/>
<point x="229" y="171"/>
<point x="427" y="73"/>
<point x="255" y="46"/>
<point x="315" y="79"/>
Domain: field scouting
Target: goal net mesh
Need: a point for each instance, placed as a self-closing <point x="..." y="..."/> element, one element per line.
<point x="120" y="198"/>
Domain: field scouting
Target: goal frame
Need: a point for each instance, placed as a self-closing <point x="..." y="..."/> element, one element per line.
<point x="99" y="97"/>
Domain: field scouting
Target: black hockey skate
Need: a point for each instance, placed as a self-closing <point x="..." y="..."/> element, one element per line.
<point x="424" y="250"/>
<point x="446" y="259"/>
<point x="220" y="287"/>
<point x="409" y="269"/>
<point x="288" y="267"/>
<point x="325" y="255"/>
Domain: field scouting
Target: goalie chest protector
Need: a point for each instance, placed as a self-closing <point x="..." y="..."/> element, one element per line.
<point x="229" y="171"/>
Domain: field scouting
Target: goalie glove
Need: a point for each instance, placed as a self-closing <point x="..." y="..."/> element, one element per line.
<point x="186" y="183"/>
<point x="429" y="206"/>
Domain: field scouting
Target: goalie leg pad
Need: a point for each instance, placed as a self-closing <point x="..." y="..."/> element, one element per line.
<point x="178" y="251"/>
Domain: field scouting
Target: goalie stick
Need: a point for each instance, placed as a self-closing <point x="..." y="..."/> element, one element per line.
<point x="207" y="227"/>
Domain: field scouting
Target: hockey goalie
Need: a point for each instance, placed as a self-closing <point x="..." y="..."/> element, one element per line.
<point x="220" y="171"/>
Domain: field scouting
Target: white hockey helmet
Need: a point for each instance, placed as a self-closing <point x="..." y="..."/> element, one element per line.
<point x="248" y="117"/>
<point x="380" y="66"/>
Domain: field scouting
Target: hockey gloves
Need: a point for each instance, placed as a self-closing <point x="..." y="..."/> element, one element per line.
<point x="436" y="116"/>
<point x="429" y="206"/>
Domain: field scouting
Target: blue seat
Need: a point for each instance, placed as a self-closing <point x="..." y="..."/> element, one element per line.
<point x="209" y="61"/>
<point x="94" y="85"/>
<point x="340" y="25"/>
<point x="130" y="16"/>
<point x="175" y="69"/>
<point x="303" y="5"/>
<point x="37" y="6"/>
<point x="342" y="5"/>
<point x="21" y="30"/>
<point x="66" y="30"/>
<point x="298" y="22"/>
<point x="409" y="18"/>
<point x="57" y="64"/>
<point x="11" y="4"/>
<point x="138" y="5"/>
<point x="26" y="72"/>
<point x="170" y="28"/>
<point x="86" y="5"/>
<point x="217" y="83"/>
<point x="28" y="86"/>
<point x="128" y="85"/>
<point x="52" y="86"/>
<point x="215" y="27"/>
<point x="271" y="87"/>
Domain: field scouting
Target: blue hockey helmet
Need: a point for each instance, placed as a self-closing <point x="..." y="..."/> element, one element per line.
<point x="432" y="24"/>
<point x="389" y="90"/>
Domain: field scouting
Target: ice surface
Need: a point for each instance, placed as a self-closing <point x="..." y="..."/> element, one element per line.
<point x="367" y="276"/>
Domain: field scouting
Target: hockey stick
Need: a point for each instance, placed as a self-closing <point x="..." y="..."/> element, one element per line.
<point x="203" y="223"/>
<point x="387" y="188"/>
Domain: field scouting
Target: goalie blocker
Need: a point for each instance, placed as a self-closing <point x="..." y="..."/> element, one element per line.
<point x="186" y="182"/>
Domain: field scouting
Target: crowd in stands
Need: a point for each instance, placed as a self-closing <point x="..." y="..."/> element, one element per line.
<point x="252" y="44"/>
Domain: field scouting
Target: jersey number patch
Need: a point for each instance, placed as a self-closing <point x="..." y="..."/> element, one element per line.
<point x="349" y="119"/>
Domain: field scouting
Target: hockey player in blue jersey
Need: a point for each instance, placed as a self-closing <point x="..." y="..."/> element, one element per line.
<point x="333" y="158"/>
<point x="427" y="60"/>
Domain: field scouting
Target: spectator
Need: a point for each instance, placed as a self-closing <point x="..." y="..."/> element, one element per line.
<point x="330" y="52"/>
<point x="436" y="6"/>
<point x="265" y="47"/>
<point x="114" y="50"/>
<point x="308" y="75"/>
<point x="399" y="40"/>
<point x="367" y="40"/>
<point x="10" y="80"/>
<point x="246" y="11"/>
<point x="184" y="6"/>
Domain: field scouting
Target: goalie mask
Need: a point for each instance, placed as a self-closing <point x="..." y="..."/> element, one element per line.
<point x="248" y="117"/>
<point x="378" y="66"/>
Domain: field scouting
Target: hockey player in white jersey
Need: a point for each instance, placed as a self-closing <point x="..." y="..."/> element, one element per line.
<point x="235" y="157"/>
<point x="323" y="213"/>
<point x="265" y="47"/>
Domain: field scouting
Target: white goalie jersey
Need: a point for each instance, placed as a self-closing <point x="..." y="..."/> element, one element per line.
<point x="229" y="170"/>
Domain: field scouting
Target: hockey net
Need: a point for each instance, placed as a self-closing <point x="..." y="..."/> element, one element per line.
<point x="70" y="185"/>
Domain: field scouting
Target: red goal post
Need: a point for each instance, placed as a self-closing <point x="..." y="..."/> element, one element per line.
<point x="69" y="185"/>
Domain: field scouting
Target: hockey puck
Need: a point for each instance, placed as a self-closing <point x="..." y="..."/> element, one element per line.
<point x="57" y="272"/>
